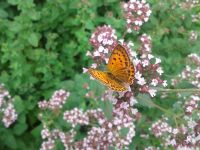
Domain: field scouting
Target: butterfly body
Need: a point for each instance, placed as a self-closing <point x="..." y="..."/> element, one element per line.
<point x="120" y="71"/>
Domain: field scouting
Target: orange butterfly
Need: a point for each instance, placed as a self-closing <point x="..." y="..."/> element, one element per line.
<point x="120" y="71"/>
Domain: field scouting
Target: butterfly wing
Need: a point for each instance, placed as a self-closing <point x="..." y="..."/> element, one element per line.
<point x="120" y="66"/>
<point x="107" y="79"/>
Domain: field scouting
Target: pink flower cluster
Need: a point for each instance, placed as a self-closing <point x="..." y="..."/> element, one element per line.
<point x="160" y="127"/>
<point x="136" y="13"/>
<point x="188" y="4"/>
<point x="9" y="115"/>
<point x="191" y="73"/>
<point x="193" y="36"/>
<point x="51" y="136"/>
<point x="192" y="104"/>
<point x="57" y="100"/>
<point x="148" y="69"/>
<point x="186" y="134"/>
<point x="108" y="133"/>
<point x="76" y="116"/>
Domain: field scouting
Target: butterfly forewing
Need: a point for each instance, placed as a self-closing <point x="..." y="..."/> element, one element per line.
<point x="107" y="79"/>
<point x="120" y="66"/>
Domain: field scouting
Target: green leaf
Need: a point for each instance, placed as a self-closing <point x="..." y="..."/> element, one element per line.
<point x="34" y="15"/>
<point x="185" y="84"/>
<point x="15" y="27"/>
<point x="3" y="14"/>
<point x="9" y="140"/>
<point x="20" y="128"/>
<point x="144" y="100"/>
<point x="36" y="131"/>
<point x="34" y="39"/>
<point x="19" y="105"/>
<point x="13" y="2"/>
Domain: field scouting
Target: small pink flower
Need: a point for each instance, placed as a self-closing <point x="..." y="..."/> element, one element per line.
<point x="136" y="13"/>
<point x="48" y="145"/>
<point x="9" y="115"/>
<point x="76" y="116"/>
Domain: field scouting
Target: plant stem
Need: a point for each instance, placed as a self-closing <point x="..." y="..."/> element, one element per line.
<point x="180" y="90"/>
<point x="165" y="111"/>
<point x="124" y="34"/>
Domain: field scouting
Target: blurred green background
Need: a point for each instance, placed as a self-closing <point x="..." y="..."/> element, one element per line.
<point x="43" y="46"/>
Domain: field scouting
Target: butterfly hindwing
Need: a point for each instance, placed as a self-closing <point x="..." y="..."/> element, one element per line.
<point x="107" y="79"/>
<point x="120" y="66"/>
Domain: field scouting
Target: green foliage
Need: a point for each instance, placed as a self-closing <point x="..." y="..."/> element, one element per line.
<point x="43" y="46"/>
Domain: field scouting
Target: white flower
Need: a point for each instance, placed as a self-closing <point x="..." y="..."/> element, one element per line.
<point x="124" y="105"/>
<point x="133" y="101"/>
<point x="175" y="131"/>
<point x="145" y="63"/>
<point x="128" y="21"/>
<point x="105" y="50"/>
<point x="88" y="53"/>
<point x="125" y="6"/>
<point x="131" y="6"/>
<point x="132" y="1"/>
<point x="173" y="142"/>
<point x="141" y="81"/>
<point x="94" y="65"/>
<point x="45" y="133"/>
<point x="160" y="71"/>
<point x="139" y="12"/>
<point x="158" y="60"/>
<point x="152" y="92"/>
<point x="136" y="61"/>
<point x="110" y="125"/>
<point x="130" y="43"/>
<point x="154" y="82"/>
<point x="138" y="75"/>
<point x="100" y="38"/>
<point x="121" y="41"/>
<point x="134" y="111"/>
<point x="96" y="53"/>
<point x="150" y="56"/>
<point x="101" y="49"/>
<point x="106" y="60"/>
<point x="110" y="42"/>
<point x="143" y="56"/>
<point x="129" y="30"/>
<point x="85" y="70"/>
<point x="164" y="83"/>
<point x="148" y="13"/>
